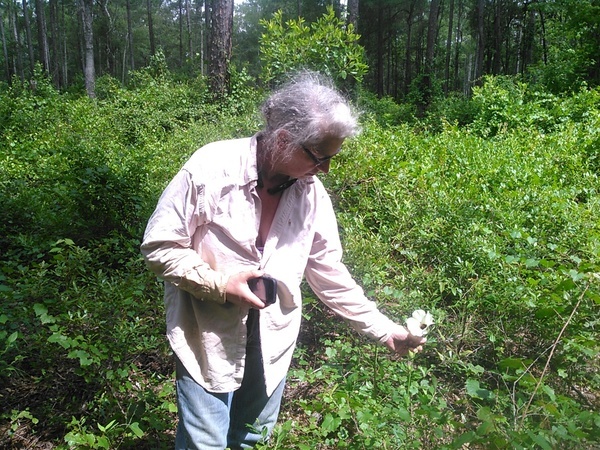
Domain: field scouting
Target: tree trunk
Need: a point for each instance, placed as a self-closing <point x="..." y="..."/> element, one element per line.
<point x="151" y="29"/>
<point x="89" y="68"/>
<point x="353" y="14"/>
<point x="55" y="44"/>
<point x="4" y="47"/>
<point x="42" y="35"/>
<point x="408" y="55"/>
<point x="379" y="68"/>
<point x="432" y="27"/>
<point x="180" y="12"/>
<point x="527" y="41"/>
<point x="458" y="42"/>
<point x="105" y="40"/>
<point x="64" y="46"/>
<point x="480" y="41"/>
<point x="497" y="55"/>
<point x="203" y="31"/>
<point x="221" y="27"/>
<point x="544" y="43"/>
<point x="28" y="34"/>
<point x="447" y="83"/>
<point x="17" y="40"/>
<point x="188" y="14"/>
<point x="130" y="37"/>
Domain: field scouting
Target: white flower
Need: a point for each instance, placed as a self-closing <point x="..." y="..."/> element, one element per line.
<point x="419" y="323"/>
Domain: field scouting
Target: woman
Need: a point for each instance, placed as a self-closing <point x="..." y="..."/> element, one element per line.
<point x="238" y="210"/>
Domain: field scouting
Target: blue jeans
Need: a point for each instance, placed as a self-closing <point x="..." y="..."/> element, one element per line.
<point x="240" y="419"/>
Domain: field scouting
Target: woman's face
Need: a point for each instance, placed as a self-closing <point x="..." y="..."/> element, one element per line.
<point x="307" y="161"/>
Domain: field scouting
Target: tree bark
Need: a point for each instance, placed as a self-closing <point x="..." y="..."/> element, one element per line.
<point x="151" y="29"/>
<point x="89" y="68"/>
<point x="55" y="44"/>
<point x="480" y="41"/>
<point x="379" y="75"/>
<point x="498" y="34"/>
<point x="458" y="41"/>
<point x="202" y="33"/>
<point x="42" y="35"/>
<point x="207" y="25"/>
<point x="407" y="55"/>
<point x="130" y="37"/>
<point x="219" y="42"/>
<point x="104" y="40"/>
<point x="17" y="40"/>
<point x="543" y="31"/>
<point x="64" y="46"/>
<point x="447" y="83"/>
<point x="180" y="13"/>
<point x="432" y="27"/>
<point x="353" y="14"/>
<point x="4" y="47"/>
<point x="28" y="34"/>
<point x="188" y="14"/>
<point x="527" y="41"/>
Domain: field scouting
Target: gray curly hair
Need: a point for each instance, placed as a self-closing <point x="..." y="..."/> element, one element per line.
<point x="308" y="107"/>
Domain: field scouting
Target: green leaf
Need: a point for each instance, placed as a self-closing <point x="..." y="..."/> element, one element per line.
<point x="40" y="309"/>
<point x="330" y="423"/>
<point x="135" y="427"/>
<point x="476" y="391"/>
<point x="60" y="339"/>
<point x="103" y="442"/>
<point x="107" y="427"/>
<point x="485" y="428"/>
<point x="84" y="357"/>
<point x="531" y="262"/>
<point x="540" y="440"/>
<point x="12" y="338"/>
<point x="550" y="392"/>
<point x="512" y="363"/>
<point x="464" y="438"/>
<point x="404" y="414"/>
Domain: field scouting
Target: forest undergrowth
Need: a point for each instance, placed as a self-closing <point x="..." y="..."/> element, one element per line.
<point x="485" y="212"/>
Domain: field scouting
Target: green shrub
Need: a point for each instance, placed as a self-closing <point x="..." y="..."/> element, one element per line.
<point x="499" y="237"/>
<point x="327" y="45"/>
<point x="385" y="111"/>
<point x="507" y="104"/>
<point x="493" y="227"/>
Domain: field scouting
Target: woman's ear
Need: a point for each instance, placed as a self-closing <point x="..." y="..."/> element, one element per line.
<point x="283" y="140"/>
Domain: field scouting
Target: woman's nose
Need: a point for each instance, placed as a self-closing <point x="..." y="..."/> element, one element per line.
<point x="324" y="166"/>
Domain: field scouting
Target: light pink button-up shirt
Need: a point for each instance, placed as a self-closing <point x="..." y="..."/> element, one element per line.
<point x="204" y="230"/>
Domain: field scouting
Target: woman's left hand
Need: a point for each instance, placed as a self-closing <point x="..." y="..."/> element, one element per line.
<point x="402" y="342"/>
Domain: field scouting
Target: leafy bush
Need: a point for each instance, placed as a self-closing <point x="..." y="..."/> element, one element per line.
<point x="327" y="45"/>
<point x="385" y="111"/>
<point x="82" y="320"/>
<point x="507" y="104"/>
<point x="493" y="227"/>
<point x="503" y="229"/>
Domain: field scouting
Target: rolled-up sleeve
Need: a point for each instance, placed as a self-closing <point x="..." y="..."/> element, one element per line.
<point x="333" y="284"/>
<point x="167" y="245"/>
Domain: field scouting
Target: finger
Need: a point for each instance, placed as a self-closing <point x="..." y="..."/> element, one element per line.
<point x="253" y="274"/>
<point x="256" y="302"/>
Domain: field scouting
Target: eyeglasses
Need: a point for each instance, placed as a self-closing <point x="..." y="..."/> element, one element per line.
<point x="318" y="161"/>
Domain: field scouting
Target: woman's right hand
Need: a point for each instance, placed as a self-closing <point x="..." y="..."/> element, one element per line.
<point x="238" y="292"/>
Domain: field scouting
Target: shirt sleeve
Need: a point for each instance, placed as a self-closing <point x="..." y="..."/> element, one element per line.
<point x="167" y="245"/>
<point x="333" y="284"/>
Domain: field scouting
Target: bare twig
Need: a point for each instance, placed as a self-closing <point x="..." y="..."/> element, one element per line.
<point x="558" y="338"/>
